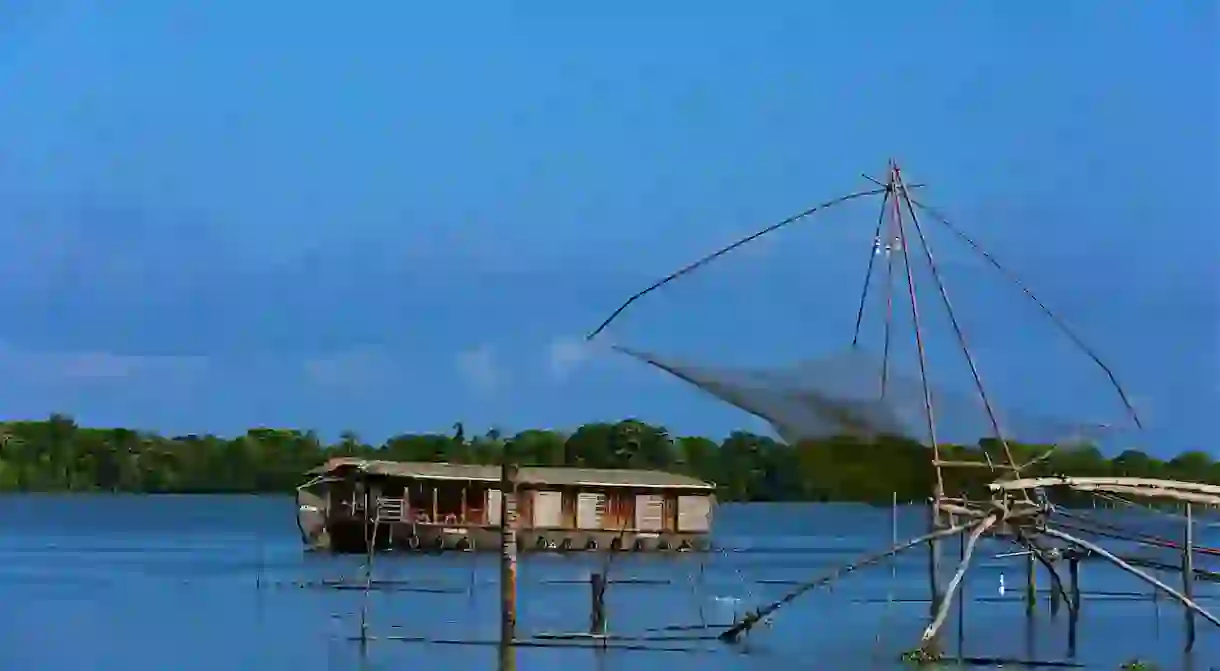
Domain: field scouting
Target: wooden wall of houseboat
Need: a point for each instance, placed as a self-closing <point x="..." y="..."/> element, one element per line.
<point x="694" y="512"/>
<point x="547" y="509"/>
<point x="672" y="512"/>
<point x="620" y="510"/>
<point x="525" y="509"/>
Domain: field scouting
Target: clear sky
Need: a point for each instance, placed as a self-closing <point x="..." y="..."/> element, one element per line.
<point x="391" y="216"/>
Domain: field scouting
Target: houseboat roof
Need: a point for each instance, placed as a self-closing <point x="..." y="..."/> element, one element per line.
<point x="526" y="475"/>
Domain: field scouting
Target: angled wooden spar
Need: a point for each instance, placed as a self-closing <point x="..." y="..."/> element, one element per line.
<point x="1068" y="481"/>
<point x="942" y="610"/>
<point x="748" y="622"/>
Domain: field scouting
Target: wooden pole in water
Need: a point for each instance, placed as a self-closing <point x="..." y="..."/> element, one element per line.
<point x="961" y="599"/>
<point x="1074" y="576"/>
<point x="893" y="542"/>
<point x="508" y="565"/>
<point x="1188" y="575"/>
<point x="1055" y="596"/>
<point x="597" y="612"/>
<point x="1074" y="614"/>
<point x="934" y="558"/>
<point x="1031" y="583"/>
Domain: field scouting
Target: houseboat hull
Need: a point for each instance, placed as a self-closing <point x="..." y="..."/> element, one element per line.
<point x="343" y="511"/>
<point x="350" y="537"/>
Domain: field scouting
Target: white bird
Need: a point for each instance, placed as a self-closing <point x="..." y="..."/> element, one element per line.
<point x="1001" y="584"/>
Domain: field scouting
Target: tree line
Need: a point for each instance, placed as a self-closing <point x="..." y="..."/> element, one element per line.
<point x="57" y="455"/>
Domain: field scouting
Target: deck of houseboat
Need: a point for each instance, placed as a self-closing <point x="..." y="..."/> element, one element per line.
<point x="419" y="506"/>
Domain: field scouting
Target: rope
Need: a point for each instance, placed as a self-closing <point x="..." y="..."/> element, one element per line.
<point x="689" y="268"/>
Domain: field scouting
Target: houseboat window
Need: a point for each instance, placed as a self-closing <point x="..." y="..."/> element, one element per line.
<point x="450" y="499"/>
<point x="419" y="494"/>
<point x="476" y="504"/>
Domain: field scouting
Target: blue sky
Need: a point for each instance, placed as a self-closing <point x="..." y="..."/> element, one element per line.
<point x="392" y="216"/>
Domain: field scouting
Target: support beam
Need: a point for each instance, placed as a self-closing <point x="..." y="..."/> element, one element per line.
<point x="1052" y="481"/>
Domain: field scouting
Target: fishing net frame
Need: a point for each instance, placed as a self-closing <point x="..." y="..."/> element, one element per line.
<point x="1018" y="507"/>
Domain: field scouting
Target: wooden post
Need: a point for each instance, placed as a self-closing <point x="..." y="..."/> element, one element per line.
<point x="1074" y="615"/>
<point x="1074" y="576"/>
<point x="370" y="539"/>
<point x="1188" y="575"/>
<point x="893" y="541"/>
<point x="1031" y="583"/>
<point x="597" y="613"/>
<point x="934" y="558"/>
<point x="435" y="507"/>
<point x="465" y="504"/>
<point x="508" y="566"/>
<point x="961" y="598"/>
<point x="1056" y="598"/>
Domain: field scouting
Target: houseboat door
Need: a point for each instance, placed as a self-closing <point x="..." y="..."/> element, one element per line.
<point x="548" y="510"/>
<point x="649" y="512"/>
<point x="590" y="509"/>
<point x="694" y="513"/>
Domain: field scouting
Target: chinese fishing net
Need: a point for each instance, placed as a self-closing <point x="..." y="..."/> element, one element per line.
<point x="841" y="395"/>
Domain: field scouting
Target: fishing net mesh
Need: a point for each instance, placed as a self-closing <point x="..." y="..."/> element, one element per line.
<point x="841" y="396"/>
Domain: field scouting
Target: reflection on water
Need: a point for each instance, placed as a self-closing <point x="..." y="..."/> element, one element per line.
<point x="132" y="583"/>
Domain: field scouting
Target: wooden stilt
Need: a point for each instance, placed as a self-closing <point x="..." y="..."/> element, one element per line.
<point x="597" y="614"/>
<point x="1056" y="601"/>
<point x="1031" y="583"/>
<point x="1074" y="606"/>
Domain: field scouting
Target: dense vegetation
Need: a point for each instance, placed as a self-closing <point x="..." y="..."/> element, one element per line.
<point x="58" y="455"/>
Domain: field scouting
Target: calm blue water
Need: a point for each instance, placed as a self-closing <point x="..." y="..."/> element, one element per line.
<point x="194" y="583"/>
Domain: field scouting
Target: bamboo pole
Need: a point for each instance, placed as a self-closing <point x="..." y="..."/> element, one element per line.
<point x="942" y="612"/>
<point x="1188" y="574"/>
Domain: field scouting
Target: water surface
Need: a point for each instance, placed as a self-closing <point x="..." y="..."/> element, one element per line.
<point x="209" y="582"/>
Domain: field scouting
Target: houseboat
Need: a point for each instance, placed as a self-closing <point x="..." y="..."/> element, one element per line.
<point x="432" y="507"/>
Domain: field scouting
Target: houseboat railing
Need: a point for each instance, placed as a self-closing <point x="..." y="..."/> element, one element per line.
<point x="391" y="509"/>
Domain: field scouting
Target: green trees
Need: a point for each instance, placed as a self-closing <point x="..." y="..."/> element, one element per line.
<point x="57" y="455"/>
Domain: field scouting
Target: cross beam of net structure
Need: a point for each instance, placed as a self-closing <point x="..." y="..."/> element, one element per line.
<point x="867" y="398"/>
